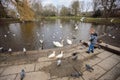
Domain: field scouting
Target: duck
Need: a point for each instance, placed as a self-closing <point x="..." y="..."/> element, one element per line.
<point x="52" y="55"/>
<point x="24" y="50"/>
<point x="69" y="41"/>
<point x="59" y="56"/>
<point x="58" y="44"/>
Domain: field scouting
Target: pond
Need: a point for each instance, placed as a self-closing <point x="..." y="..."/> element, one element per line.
<point x="28" y="34"/>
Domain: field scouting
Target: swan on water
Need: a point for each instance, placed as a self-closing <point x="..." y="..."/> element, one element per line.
<point x="58" y="44"/>
<point x="59" y="56"/>
<point x="82" y="19"/>
<point x="52" y="55"/>
<point x="41" y="41"/>
<point x="69" y="41"/>
<point x="76" y="27"/>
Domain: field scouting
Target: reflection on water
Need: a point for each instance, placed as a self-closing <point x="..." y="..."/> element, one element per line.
<point x="29" y="34"/>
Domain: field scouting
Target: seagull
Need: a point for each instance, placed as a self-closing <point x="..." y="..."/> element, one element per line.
<point x="109" y="35"/>
<point x="22" y="74"/>
<point x="113" y="37"/>
<point x="9" y="50"/>
<point x="24" y="50"/>
<point x="59" y="62"/>
<point x="59" y="56"/>
<point x="52" y="55"/>
<point x="41" y="41"/>
<point x="1" y="48"/>
<point x="69" y="41"/>
<point x="5" y="35"/>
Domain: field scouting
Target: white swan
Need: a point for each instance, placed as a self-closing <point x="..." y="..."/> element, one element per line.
<point x="82" y="19"/>
<point x="24" y="50"/>
<point x="58" y="44"/>
<point x="76" y="26"/>
<point x="52" y="55"/>
<point x="59" y="56"/>
<point x="69" y="41"/>
<point x="60" y="26"/>
<point x="41" y="41"/>
<point x="1" y="48"/>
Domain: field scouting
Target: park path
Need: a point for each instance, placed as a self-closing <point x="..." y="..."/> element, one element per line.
<point x="106" y="65"/>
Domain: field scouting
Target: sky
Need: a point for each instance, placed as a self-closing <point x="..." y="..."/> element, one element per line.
<point x="67" y="3"/>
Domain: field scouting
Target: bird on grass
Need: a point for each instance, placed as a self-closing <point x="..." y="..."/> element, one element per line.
<point x="89" y="68"/>
<point x="59" y="56"/>
<point x="22" y="74"/>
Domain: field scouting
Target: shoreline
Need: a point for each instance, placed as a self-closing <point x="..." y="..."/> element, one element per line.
<point x="87" y="19"/>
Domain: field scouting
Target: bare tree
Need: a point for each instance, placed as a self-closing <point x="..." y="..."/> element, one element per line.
<point x="75" y="7"/>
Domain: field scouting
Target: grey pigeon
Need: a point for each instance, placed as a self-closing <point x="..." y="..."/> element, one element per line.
<point x="22" y="74"/>
<point x="74" y="56"/>
<point x="76" y="74"/>
<point x="89" y="68"/>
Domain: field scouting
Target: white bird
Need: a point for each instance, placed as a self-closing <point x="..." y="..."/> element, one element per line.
<point x="76" y="27"/>
<point x="58" y="44"/>
<point x="9" y="50"/>
<point x="59" y="56"/>
<point x="69" y="41"/>
<point x="5" y="35"/>
<point x="59" y="62"/>
<point x="109" y="35"/>
<point x="14" y="34"/>
<point x="24" y="50"/>
<point x="41" y="41"/>
<point x="1" y="48"/>
<point x="52" y="55"/>
<point x="113" y="37"/>
<point x="82" y="19"/>
<point x="60" y="26"/>
<point x="111" y="20"/>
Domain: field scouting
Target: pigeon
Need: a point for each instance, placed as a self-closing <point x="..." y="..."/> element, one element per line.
<point x="89" y="68"/>
<point x="76" y="74"/>
<point x="22" y="74"/>
<point x="74" y="56"/>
